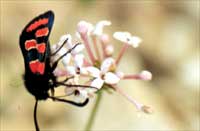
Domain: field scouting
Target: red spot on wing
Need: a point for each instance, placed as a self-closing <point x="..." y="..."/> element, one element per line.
<point x="29" y="44"/>
<point x="37" y="23"/>
<point x="41" y="67"/>
<point x="33" y="66"/>
<point x="37" y="67"/>
<point x="42" y="32"/>
<point x="41" y="47"/>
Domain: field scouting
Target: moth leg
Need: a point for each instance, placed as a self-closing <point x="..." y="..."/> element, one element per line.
<point x="59" y="48"/>
<point x="52" y="91"/>
<point x="66" y="79"/>
<point x="71" y="102"/>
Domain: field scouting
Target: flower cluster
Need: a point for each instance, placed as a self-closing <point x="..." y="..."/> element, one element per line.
<point x="100" y="69"/>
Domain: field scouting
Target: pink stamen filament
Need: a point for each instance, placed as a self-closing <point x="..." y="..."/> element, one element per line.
<point x="96" y="48"/>
<point x="86" y="62"/>
<point x="122" y="51"/>
<point x="129" y="98"/>
<point x="103" y="46"/>
<point x="132" y="76"/>
<point x="86" y="42"/>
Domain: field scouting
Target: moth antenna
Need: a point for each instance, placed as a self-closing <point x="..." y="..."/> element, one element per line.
<point x="59" y="48"/>
<point x="35" y="116"/>
<point x="54" y="65"/>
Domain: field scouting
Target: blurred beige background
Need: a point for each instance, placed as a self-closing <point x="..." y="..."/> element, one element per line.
<point x="170" y="50"/>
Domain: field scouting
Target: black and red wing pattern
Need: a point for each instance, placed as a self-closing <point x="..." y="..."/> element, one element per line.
<point x="34" y="42"/>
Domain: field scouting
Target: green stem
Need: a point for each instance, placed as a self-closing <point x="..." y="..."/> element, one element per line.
<point x="94" y="112"/>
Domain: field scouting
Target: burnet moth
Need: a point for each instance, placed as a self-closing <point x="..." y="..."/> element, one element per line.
<point x="38" y="77"/>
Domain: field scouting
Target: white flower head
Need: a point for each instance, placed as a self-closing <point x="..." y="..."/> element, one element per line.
<point x="103" y="74"/>
<point x="84" y="27"/>
<point x="104" y="38"/>
<point x="145" y="75"/>
<point x="127" y="38"/>
<point x="98" y="30"/>
<point x="109" y="50"/>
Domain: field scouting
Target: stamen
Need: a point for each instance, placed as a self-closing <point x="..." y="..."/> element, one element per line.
<point x="123" y="49"/>
<point x="144" y="75"/>
<point x="86" y="42"/>
<point x="139" y="106"/>
<point x="104" y="41"/>
<point x="96" y="47"/>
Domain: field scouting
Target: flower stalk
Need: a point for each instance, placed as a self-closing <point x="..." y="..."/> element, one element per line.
<point x="91" y="119"/>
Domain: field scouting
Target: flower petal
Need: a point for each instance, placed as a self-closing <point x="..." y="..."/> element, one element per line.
<point x="80" y="95"/>
<point x="135" y="41"/>
<point x="78" y="49"/>
<point x="109" y="50"/>
<point x="120" y="74"/>
<point x="99" y="27"/>
<point x="84" y="27"/>
<point x="66" y="59"/>
<point x="107" y="63"/>
<point x="111" y="78"/>
<point x="127" y="38"/>
<point x="145" y="75"/>
<point x="62" y="51"/>
<point x="79" y="59"/>
<point x="69" y="90"/>
<point x="122" y="36"/>
<point x="98" y="83"/>
<point x="71" y="70"/>
<point x="93" y="71"/>
<point x="67" y="37"/>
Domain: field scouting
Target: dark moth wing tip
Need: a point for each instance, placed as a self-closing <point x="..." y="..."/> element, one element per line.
<point x="48" y="14"/>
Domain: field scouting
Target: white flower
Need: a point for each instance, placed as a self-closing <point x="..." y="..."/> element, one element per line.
<point x="109" y="50"/>
<point x="74" y="57"/>
<point x="67" y="37"/>
<point x="84" y="27"/>
<point x="120" y="74"/>
<point x="127" y="38"/>
<point x="107" y="64"/>
<point x="71" y="70"/>
<point x="145" y="75"/>
<point x="103" y="75"/>
<point x="77" y="65"/>
<point x="98" y="30"/>
<point x="111" y="78"/>
<point x="79" y="93"/>
<point x="98" y="83"/>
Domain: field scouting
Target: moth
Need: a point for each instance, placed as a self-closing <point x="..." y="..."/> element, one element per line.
<point x="39" y="78"/>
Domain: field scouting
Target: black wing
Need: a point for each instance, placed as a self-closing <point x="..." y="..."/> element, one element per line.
<point x="34" y="42"/>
